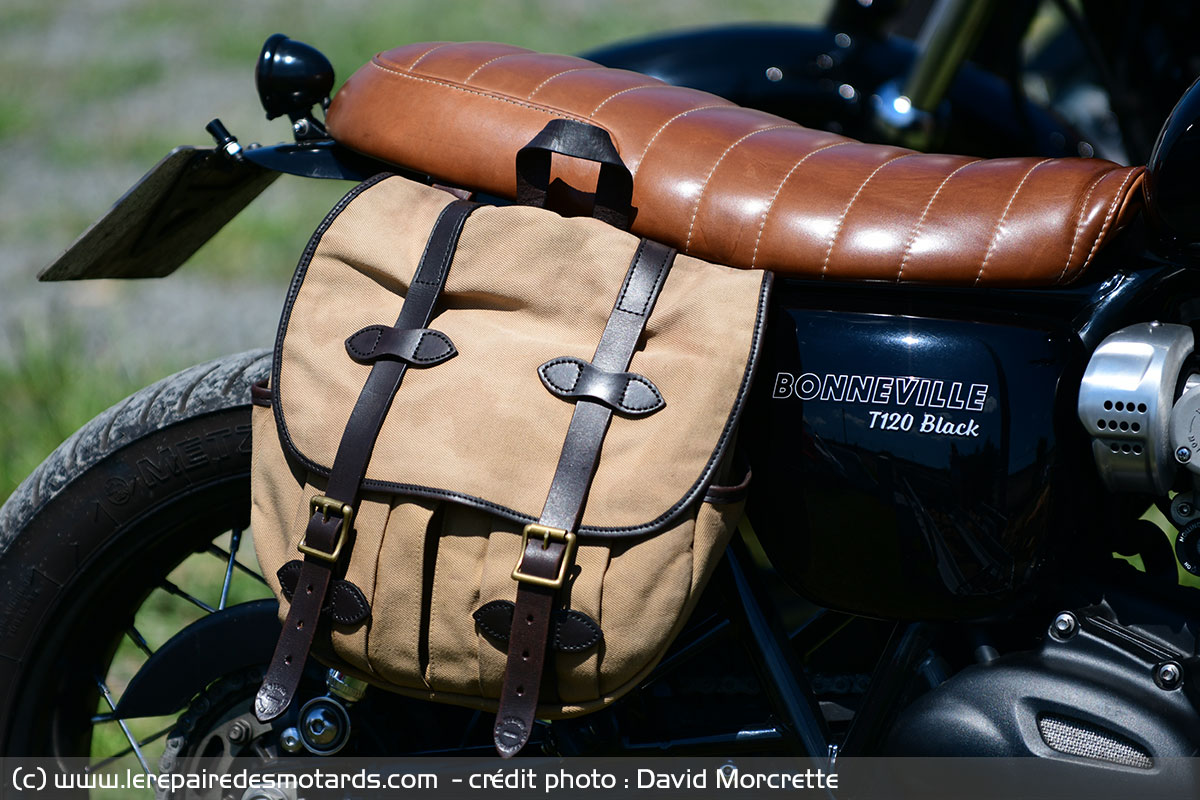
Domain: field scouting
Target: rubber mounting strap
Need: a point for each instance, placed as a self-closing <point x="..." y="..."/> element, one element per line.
<point x="324" y="530"/>
<point x="528" y="639"/>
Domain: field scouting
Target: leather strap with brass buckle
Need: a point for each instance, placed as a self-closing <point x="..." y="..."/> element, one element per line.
<point x="536" y="595"/>
<point x="350" y="463"/>
<point x="548" y="535"/>
<point x="327" y="506"/>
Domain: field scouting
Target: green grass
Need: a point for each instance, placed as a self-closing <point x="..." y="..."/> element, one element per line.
<point x="556" y="26"/>
<point x="90" y="94"/>
<point x="116" y="78"/>
<point x="19" y="115"/>
<point x="264" y="242"/>
<point x="52" y="388"/>
<point x="94" y="96"/>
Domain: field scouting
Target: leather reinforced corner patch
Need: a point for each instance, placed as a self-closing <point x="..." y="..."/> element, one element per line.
<point x="345" y="603"/>
<point x="571" y="631"/>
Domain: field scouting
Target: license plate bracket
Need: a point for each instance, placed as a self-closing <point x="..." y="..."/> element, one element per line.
<point x="164" y="218"/>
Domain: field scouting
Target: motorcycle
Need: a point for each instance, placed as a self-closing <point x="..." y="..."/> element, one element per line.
<point x="929" y="576"/>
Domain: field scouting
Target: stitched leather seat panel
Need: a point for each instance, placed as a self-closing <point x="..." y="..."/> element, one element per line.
<point x="739" y="186"/>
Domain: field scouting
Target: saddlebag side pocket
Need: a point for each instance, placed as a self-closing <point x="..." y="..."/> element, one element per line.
<point x="517" y="515"/>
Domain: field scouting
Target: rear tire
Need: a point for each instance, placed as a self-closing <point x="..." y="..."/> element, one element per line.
<point x="98" y="525"/>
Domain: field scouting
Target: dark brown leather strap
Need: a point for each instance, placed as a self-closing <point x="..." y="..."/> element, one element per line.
<point x="329" y="529"/>
<point x="546" y="557"/>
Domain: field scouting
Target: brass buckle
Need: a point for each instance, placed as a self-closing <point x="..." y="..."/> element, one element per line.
<point x="325" y="506"/>
<point x="548" y="535"/>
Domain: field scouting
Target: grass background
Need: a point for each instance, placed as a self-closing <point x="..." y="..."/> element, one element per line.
<point x="94" y="92"/>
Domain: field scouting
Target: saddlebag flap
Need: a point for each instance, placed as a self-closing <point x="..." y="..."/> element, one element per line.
<point x="488" y="420"/>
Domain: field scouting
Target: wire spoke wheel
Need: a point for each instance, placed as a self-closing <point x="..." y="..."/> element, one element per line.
<point x="223" y="574"/>
<point x="136" y="528"/>
<point x="133" y="529"/>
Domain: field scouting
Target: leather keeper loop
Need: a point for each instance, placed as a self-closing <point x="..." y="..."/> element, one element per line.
<point x="543" y="563"/>
<point x="628" y="393"/>
<point x="417" y="347"/>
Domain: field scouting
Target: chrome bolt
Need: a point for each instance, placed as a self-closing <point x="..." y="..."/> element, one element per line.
<point x="289" y="740"/>
<point x="1168" y="676"/>
<point x="239" y="732"/>
<point x="345" y="686"/>
<point x="1185" y="509"/>
<point x="1183" y="455"/>
<point x="301" y="127"/>
<point x="1064" y="626"/>
<point x="774" y="74"/>
<point x="321" y="726"/>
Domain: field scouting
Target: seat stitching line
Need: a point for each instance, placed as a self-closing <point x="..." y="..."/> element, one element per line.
<point x="489" y="61"/>
<point x="713" y="171"/>
<point x="1112" y="209"/>
<point x="421" y="58"/>
<point x="481" y="93"/>
<point x="1079" y="223"/>
<point x="770" y="205"/>
<point x="1000" y="222"/>
<point x="646" y="149"/>
<point x="842" y="221"/>
<point x="538" y="88"/>
<point x="623" y="91"/>
<point x="912" y="239"/>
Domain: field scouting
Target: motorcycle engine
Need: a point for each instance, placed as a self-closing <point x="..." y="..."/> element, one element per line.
<point x="1127" y="403"/>
<point x="1141" y="404"/>
<point x="1099" y="692"/>
<point x="1114" y="683"/>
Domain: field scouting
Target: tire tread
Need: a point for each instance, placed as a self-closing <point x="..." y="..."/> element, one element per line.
<point x="202" y="389"/>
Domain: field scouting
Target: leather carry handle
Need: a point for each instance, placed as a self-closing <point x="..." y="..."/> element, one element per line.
<point x="566" y="137"/>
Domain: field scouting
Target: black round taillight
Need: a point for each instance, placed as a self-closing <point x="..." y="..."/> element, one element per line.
<point x="291" y="77"/>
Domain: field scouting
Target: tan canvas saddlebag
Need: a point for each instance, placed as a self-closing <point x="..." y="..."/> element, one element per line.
<point x="490" y="466"/>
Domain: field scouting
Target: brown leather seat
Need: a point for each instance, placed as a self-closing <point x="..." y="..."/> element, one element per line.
<point x="738" y="186"/>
